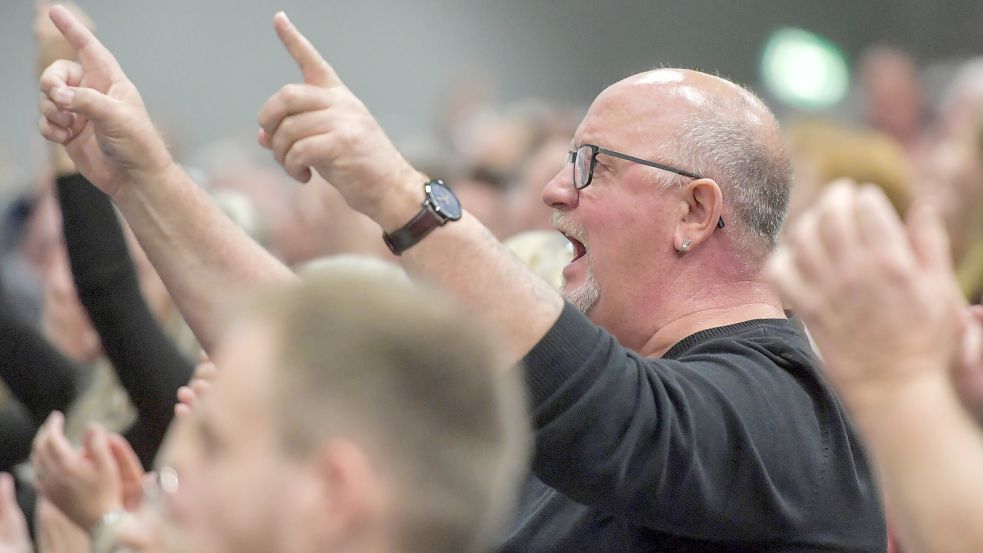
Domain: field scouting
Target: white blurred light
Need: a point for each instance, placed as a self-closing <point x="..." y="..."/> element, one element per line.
<point x="804" y="69"/>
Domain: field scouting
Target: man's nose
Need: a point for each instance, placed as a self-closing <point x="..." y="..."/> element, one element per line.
<point x="559" y="192"/>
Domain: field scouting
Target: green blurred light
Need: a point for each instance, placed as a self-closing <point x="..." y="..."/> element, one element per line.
<point x="804" y="69"/>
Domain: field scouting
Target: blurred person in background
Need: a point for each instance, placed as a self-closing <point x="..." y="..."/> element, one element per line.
<point x="952" y="174"/>
<point x="294" y="223"/>
<point x="719" y="434"/>
<point x="904" y="351"/>
<point x="823" y="151"/>
<point x="544" y="252"/>
<point x="893" y="100"/>
<point x="962" y="101"/>
<point x="496" y="143"/>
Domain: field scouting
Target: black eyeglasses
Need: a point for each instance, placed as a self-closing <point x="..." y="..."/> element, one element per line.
<point x="584" y="159"/>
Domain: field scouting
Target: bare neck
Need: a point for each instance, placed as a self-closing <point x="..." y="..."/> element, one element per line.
<point x="720" y="305"/>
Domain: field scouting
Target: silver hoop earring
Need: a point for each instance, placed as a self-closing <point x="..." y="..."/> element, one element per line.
<point x="684" y="247"/>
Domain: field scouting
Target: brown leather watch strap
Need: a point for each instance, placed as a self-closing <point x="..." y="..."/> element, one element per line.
<point x="409" y="234"/>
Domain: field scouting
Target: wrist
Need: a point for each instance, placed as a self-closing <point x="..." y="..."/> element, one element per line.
<point x="104" y="532"/>
<point x="400" y="201"/>
<point x="166" y="175"/>
<point x="91" y="516"/>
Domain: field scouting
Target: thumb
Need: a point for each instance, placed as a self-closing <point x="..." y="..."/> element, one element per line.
<point x="88" y="102"/>
<point x="130" y="471"/>
<point x="315" y="69"/>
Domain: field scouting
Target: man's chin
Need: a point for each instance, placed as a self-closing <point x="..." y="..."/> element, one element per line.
<point x="583" y="297"/>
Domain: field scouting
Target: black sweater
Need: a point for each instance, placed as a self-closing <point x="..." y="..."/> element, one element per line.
<point x="147" y="362"/>
<point x="730" y="442"/>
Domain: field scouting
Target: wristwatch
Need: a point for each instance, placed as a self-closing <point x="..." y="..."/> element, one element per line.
<point x="440" y="205"/>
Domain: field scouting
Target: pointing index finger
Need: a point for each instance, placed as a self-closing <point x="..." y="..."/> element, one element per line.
<point x="315" y="69"/>
<point x="91" y="53"/>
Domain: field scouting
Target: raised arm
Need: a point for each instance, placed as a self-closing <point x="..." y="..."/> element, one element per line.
<point x="321" y="125"/>
<point x="205" y="260"/>
<point x="147" y="363"/>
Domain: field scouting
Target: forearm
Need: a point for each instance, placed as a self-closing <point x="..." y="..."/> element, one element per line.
<point x="207" y="263"/>
<point x="929" y="453"/>
<point x="464" y="258"/>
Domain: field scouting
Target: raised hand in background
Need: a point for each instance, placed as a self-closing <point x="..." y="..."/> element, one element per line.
<point x="92" y="108"/>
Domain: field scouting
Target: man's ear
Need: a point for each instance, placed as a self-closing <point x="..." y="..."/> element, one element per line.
<point x="349" y="496"/>
<point x="703" y="204"/>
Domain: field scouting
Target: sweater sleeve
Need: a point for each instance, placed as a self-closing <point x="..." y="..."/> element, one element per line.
<point x="725" y="444"/>
<point x="17" y="429"/>
<point x="147" y="362"/>
<point x="40" y="377"/>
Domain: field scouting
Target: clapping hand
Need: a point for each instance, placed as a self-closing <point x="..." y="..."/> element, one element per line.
<point x="85" y="484"/>
<point x="879" y="297"/>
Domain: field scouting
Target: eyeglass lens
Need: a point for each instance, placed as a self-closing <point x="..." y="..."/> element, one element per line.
<point x="582" y="166"/>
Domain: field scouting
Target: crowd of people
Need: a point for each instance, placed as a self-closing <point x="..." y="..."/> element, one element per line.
<point x="616" y="329"/>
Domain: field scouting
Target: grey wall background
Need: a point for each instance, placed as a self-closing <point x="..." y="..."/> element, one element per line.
<point x="205" y="66"/>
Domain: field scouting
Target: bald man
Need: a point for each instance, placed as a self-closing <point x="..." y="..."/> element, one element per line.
<point x="675" y="407"/>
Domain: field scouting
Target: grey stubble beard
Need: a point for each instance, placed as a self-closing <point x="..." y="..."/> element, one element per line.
<point x="585" y="296"/>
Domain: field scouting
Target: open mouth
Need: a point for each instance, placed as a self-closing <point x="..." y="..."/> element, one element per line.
<point x="579" y="250"/>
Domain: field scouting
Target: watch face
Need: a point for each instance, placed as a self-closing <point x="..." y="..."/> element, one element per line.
<point x="445" y="201"/>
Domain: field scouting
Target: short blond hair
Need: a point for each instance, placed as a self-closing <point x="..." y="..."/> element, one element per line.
<point x="400" y="367"/>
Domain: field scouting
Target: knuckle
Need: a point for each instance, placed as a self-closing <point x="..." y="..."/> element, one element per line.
<point x="297" y="156"/>
<point x="289" y="127"/>
<point x="886" y="263"/>
<point x="301" y="150"/>
<point x="291" y="93"/>
<point x="346" y="136"/>
<point x="849" y="281"/>
<point x="894" y="271"/>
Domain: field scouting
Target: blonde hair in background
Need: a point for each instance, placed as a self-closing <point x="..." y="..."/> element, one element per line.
<point x="831" y="151"/>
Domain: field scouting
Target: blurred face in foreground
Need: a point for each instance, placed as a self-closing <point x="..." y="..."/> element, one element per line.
<point x="240" y="490"/>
